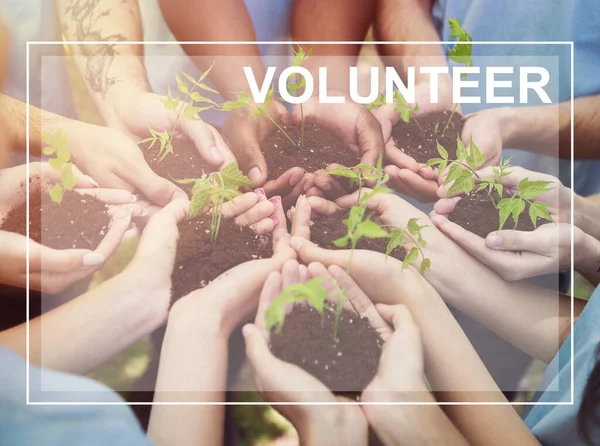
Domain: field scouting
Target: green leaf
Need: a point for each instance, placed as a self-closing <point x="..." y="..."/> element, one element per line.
<point x="504" y="208"/>
<point x="462" y="52"/>
<point x="342" y="242"/>
<point x="312" y="291"/>
<point x="464" y="183"/>
<point x="56" y="193"/>
<point x="197" y="97"/>
<point x="207" y="88"/>
<point x="269" y="97"/>
<point x="368" y="228"/>
<point x="454" y="172"/>
<point x="170" y="103"/>
<point x="499" y="188"/>
<point x="188" y="77"/>
<point x="413" y="226"/>
<point x="517" y="210"/>
<point x="48" y="150"/>
<point x="200" y="197"/>
<point x="232" y="105"/>
<point x="56" y="164"/>
<point x="461" y="150"/>
<point x="182" y="86"/>
<point x="443" y="153"/>
<point x="433" y="162"/>
<point x="538" y="209"/>
<point x="378" y="102"/>
<point x="531" y="189"/>
<point x="68" y="180"/>
<point x="206" y="73"/>
<point x="233" y="177"/>
<point x="396" y="240"/>
<point x="412" y="255"/>
<point x="476" y="158"/>
<point x="191" y="111"/>
<point x="425" y="265"/>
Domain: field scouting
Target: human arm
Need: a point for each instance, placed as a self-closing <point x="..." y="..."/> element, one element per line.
<point x="187" y="373"/>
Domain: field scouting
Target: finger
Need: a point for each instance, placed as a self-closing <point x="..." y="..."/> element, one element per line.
<point x="446" y="206"/>
<point x="158" y="242"/>
<point x="360" y="302"/>
<point x="519" y="241"/>
<point x="322" y="206"/>
<point x="330" y="186"/>
<point x="111" y="241"/>
<point x="315" y="192"/>
<point x="397" y="315"/>
<point x="223" y="148"/>
<point x="257" y="350"/>
<point x="290" y="273"/>
<point x="281" y="237"/>
<point x="264" y="226"/>
<point x="239" y="205"/>
<point x="241" y="133"/>
<point x="271" y="288"/>
<point x="398" y="158"/>
<point x="426" y="189"/>
<point x="258" y="212"/>
<point x="301" y="218"/>
<point x="308" y="252"/>
<point x="157" y="189"/>
<point x="109" y="196"/>
<point x="203" y="138"/>
<point x="302" y="274"/>
<point x="286" y="182"/>
<point x="42" y="258"/>
<point x="369" y="137"/>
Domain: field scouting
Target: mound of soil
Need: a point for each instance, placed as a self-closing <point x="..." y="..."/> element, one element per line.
<point x="476" y="212"/>
<point x="321" y="148"/>
<point x="346" y="366"/>
<point x="198" y="262"/>
<point x="421" y="145"/>
<point x="327" y="229"/>
<point x="79" y="221"/>
<point x="184" y="163"/>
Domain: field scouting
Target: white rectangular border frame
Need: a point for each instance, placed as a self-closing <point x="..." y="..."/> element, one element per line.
<point x="316" y="403"/>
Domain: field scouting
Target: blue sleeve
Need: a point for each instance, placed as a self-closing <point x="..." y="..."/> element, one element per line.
<point x="107" y="423"/>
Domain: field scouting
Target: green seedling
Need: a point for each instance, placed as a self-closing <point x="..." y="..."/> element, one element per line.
<point x="463" y="169"/>
<point x="378" y="102"/>
<point x="57" y="145"/>
<point x="413" y="232"/>
<point x="216" y="189"/>
<point x="191" y="104"/>
<point x="494" y="183"/>
<point x="312" y="292"/>
<point x="462" y="53"/>
<point x="406" y="113"/>
<point x="298" y="85"/>
<point x="515" y="205"/>
<point x="243" y="100"/>
<point x="357" y="175"/>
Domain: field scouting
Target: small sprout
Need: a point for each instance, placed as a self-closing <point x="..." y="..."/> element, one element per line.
<point x="312" y="292"/>
<point x="436" y="127"/>
<point x="406" y="113"/>
<point x="462" y="53"/>
<point x="194" y="104"/>
<point x="57" y="145"/>
<point x="378" y="102"/>
<point x="243" y="100"/>
<point x="298" y="85"/>
<point x="216" y="189"/>
<point x="357" y="175"/>
<point x="515" y="205"/>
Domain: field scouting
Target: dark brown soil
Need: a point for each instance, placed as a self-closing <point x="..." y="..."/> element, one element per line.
<point x="422" y="146"/>
<point x="477" y="213"/>
<point x="321" y="148"/>
<point x="327" y="229"/>
<point x="184" y="163"/>
<point x="197" y="262"/>
<point x="346" y="366"/>
<point x="80" y="221"/>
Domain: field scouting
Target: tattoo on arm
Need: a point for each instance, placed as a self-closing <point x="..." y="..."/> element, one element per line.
<point x="98" y="56"/>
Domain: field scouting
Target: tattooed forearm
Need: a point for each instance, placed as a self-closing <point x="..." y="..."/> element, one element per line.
<point x="85" y="14"/>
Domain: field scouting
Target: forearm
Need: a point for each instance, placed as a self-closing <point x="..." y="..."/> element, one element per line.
<point x="332" y="21"/>
<point x="193" y="368"/>
<point x="529" y="317"/>
<point x="546" y="129"/>
<point x="587" y="214"/>
<point x="211" y="21"/>
<point x="112" y="68"/>
<point x="84" y="333"/>
<point x="408" y="21"/>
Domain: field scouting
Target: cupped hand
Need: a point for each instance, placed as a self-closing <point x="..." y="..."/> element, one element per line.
<point x="115" y="161"/>
<point x="224" y="303"/>
<point x="283" y="382"/>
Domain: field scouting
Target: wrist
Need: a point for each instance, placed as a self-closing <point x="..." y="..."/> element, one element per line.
<point x="321" y="424"/>
<point x="509" y="125"/>
<point x="190" y="315"/>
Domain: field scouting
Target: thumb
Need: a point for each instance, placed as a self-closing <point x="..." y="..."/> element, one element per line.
<point x="309" y="252"/>
<point x="158" y="243"/>
<point x="513" y="241"/>
<point x="242" y="136"/>
<point x="62" y="261"/>
<point x="202" y="136"/>
<point x="369" y="136"/>
<point x="257" y="350"/>
<point x="157" y="189"/>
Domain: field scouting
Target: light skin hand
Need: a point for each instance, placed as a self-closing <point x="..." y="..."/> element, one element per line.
<point x="280" y="381"/>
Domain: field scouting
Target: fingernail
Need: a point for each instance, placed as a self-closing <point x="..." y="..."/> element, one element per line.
<point x="275" y="219"/>
<point x="144" y="212"/>
<point x="295" y="178"/>
<point x="133" y="199"/>
<point x="260" y="192"/>
<point x="494" y="241"/>
<point x="216" y="154"/>
<point x="93" y="259"/>
<point x="276" y="201"/>
<point x="296" y="242"/>
<point x="247" y="330"/>
<point x="91" y="180"/>
<point x="255" y="174"/>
